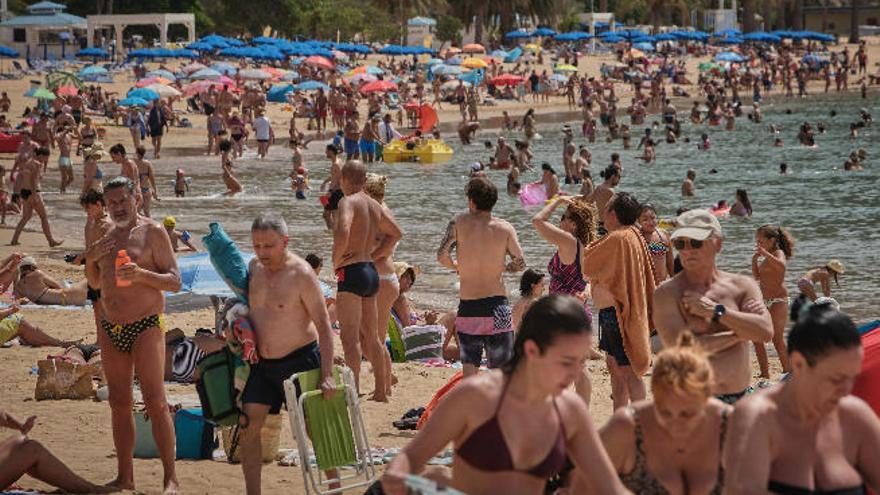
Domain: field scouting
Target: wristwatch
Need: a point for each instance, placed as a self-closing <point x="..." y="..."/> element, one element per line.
<point x="718" y="313"/>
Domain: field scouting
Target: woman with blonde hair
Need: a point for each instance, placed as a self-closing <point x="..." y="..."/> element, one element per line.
<point x="775" y="246"/>
<point x="389" y="284"/>
<point x="672" y="444"/>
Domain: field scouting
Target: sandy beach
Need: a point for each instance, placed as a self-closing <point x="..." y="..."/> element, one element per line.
<point x="79" y="431"/>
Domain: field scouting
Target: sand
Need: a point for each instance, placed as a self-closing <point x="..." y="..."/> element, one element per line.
<point x="79" y="431"/>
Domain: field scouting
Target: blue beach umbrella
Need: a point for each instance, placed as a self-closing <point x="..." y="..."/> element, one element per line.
<point x="205" y="74"/>
<point x="613" y="38"/>
<point x="134" y="102"/>
<point x="730" y="41"/>
<point x="730" y="57"/>
<point x="93" y="52"/>
<point x="7" y="52"/>
<point x="644" y="46"/>
<point x="665" y="37"/>
<point x="728" y="32"/>
<point x="144" y="94"/>
<point x="518" y="34"/>
<point x="573" y="36"/>
<point x="278" y="94"/>
<point x="92" y="70"/>
<point x="543" y="31"/>
<point x="311" y="86"/>
<point x="201" y="46"/>
<point x="198" y="275"/>
<point x="224" y="68"/>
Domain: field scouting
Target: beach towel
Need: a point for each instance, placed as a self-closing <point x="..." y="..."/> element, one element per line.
<point x="619" y="262"/>
<point x="227" y="260"/>
<point x="423" y="341"/>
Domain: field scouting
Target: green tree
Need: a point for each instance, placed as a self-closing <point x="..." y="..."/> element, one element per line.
<point x="449" y="29"/>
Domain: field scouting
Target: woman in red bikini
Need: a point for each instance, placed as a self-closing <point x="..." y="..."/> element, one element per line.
<point x="512" y="430"/>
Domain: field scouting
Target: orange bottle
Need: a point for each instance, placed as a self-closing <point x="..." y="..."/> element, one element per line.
<point x="121" y="259"/>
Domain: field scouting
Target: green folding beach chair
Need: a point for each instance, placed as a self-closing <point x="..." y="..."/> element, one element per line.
<point x="334" y="428"/>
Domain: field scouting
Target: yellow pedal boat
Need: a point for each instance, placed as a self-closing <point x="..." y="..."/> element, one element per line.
<point x="432" y="151"/>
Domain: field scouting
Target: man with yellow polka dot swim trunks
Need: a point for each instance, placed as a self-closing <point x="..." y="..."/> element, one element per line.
<point x="131" y="337"/>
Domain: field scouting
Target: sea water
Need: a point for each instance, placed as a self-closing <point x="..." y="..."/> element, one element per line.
<point x="831" y="213"/>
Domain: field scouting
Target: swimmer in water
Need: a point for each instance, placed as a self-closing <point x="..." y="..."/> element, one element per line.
<point x="778" y="143"/>
<point x="687" y="186"/>
<point x="783" y="169"/>
<point x="705" y="143"/>
<point x="233" y="186"/>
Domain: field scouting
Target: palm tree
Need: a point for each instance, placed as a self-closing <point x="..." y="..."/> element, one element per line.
<point x="854" y="21"/>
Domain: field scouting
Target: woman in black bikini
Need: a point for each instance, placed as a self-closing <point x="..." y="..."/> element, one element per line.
<point x="808" y="436"/>
<point x="513" y="430"/>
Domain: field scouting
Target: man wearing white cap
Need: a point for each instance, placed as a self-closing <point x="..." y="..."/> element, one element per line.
<point x="724" y="311"/>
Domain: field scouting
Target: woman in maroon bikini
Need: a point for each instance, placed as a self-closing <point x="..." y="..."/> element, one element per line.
<point x="512" y="430"/>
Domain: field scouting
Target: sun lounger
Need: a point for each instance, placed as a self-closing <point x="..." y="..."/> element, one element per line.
<point x="335" y="429"/>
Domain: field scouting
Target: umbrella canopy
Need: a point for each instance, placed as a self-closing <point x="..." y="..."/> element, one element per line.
<point x="143" y="93"/>
<point x="726" y="33"/>
<point x="665" y="37"/>
<point x="730" y="41"/>
<point x="193" y="67"/>
<point x="67" y="91"/>
<point x="378" y="86"/>
<point x="41" y="94"/>
<point x="92" y="70"/>
<point x="224" y="68"/>
<point x="730" y="57"/>
<point x="134" y="102"/>
<point x="61" y="78"/>
<point x="278" y="93"/>
<point x="559" y="78"/>
<point x="499" y="54"/>
<point x="644" y="46"/>
<point x="454" y="84"/>
<point x="573" y="36"/>
<point x="164" y="74"/>
<point x="312" y="86"/>
<point x="362" y="78"/>
<point x="447" y="70"/>
<point x="565" y="68"/>
<point x="93" y="52"/>
<point x="291" y="76"/>
<point x="318" y="61"/>
<point x="7" y="52"/>
<point x="164" y="90"/>
<point x="703" y="67"/>
<point x="473" y="48"/>
<point x="543" y="31"/>
<point x="518" y="34"/>
<point x="613" y="38"/>
<point x="198" y="275"/>
<point x="148" y="81"/>
<point x="474" y="63"/>
<point x="201" y="46"/>
<point x="454" y="61"/>
<point x="255" y="75"/>
<point x="200" y="86"/>
<point x="205" y="74"/>
<point x="506" y="80"/>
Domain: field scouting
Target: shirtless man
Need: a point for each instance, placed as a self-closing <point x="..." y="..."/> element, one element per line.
<point x="603" y="193"/>
<point x="504" y="154"/>
<point x="31" y="173"/>
<point x="352" y="137"/>
<point x="65" y="165"/>
<point x="132" y="340"/>
<point x="334" y="190"/>
<point x="467" y="131"/>
<point x="128" y="167"/>
<point x="687" y="186"/>
<point x="292" y="332"/>
<point x="360" y="221"/>
<point x="726" y="312"/>
<point x="369" y="134"/>
<point x="43" y="133"/>
<point x="482" y="244"/>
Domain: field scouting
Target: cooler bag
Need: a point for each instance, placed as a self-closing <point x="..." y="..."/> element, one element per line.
<point x="216" y="388"/>
<point x="194" y="436"/>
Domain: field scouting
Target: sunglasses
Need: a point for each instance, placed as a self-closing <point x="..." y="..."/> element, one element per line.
<point x="682" y="244"/>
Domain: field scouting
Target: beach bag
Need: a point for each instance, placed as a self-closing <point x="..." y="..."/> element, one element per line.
<point x="216" y="388"/>
<point x="62" y="380"/>
<point x="194" y="436"/>
<point x="423" y="342"/>
<point x="270" y="438"/>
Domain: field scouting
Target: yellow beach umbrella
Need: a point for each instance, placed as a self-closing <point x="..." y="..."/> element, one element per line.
<point x="474" y="63"/>
<point x="566" y="68"/>
<point x="534" y="47"/>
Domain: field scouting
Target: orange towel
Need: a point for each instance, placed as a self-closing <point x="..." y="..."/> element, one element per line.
<point x="619" y="262"/>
